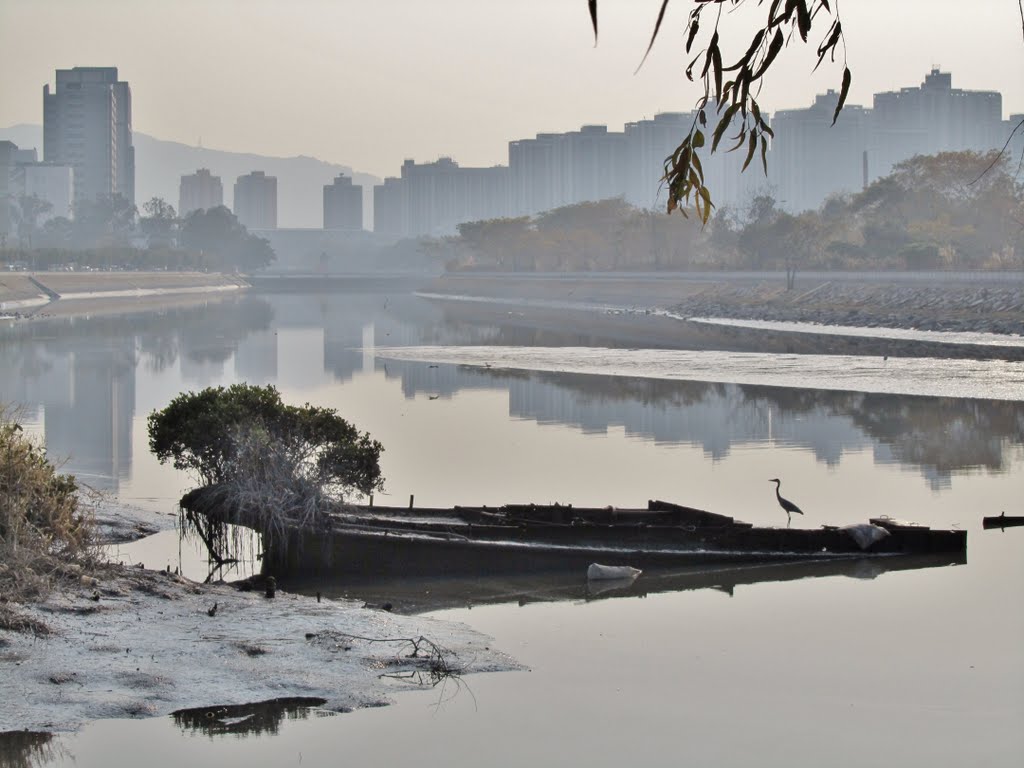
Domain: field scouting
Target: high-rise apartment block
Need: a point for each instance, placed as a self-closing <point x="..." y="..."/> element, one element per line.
<point x="343" y="204"/>
<point x="387" y="207"/>
<point x="87" y="124"/>
<point x="934" y="117"/>
<point x="199" y="191"/>
<point x="811" y="158"/>
<point x="256" y="200"/>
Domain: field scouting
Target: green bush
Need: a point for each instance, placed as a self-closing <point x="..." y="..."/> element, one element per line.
<point x="226" y="434"/>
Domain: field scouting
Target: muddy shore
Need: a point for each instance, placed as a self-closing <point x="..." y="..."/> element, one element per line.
<point x="646" y="311"/>
<point x="130" y="642"/>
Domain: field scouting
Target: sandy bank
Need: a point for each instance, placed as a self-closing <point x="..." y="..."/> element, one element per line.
<point x="137" y="643"/>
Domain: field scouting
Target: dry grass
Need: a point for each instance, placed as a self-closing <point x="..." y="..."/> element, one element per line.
<point x="44" y="536"/>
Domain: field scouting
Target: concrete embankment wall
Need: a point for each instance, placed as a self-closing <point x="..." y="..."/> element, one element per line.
<point x="20" y="290"/>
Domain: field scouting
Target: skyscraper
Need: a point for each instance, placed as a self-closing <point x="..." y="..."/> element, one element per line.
<point x="87" y="124"/>
<point x="199" y="191"/>
<point x="343" y="204"/>
<point x="256" y="200"/>
<point x="934" y="117"/>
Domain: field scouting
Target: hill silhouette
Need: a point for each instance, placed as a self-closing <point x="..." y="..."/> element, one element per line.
<point x="159" y="166"/>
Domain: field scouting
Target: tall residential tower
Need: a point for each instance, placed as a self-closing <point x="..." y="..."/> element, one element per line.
<point x="199" y="191"/>
<point x="87" y="124"/>
<point x="256" y="200"/>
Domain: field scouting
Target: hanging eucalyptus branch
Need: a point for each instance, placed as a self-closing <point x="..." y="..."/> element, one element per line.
<point x="729" y="100"/>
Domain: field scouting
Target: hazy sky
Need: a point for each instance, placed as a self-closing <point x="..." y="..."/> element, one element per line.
<point x="371" y="82"/>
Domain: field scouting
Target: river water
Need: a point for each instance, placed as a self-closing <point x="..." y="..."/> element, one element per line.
<point x="839" y="665"/>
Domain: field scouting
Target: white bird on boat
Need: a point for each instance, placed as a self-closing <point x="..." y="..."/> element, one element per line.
<point x="598" y="572"/>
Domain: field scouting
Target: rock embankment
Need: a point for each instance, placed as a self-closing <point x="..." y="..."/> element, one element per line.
<point x="960" y="308"/>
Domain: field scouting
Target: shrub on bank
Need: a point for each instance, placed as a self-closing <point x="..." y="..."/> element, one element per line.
<point x="43" y="534"/>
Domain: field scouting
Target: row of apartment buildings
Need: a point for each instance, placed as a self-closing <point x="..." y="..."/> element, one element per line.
<point x="809" y="160"/>
<point x="88" y="153"/>
<point x="255" y="199"/>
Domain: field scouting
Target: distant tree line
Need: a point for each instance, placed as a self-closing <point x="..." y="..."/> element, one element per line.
<point x="109" y="233"/>
<point x="959" y="210"/>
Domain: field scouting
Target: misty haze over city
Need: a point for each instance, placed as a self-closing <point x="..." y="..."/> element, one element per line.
<point x="519" y="366"/>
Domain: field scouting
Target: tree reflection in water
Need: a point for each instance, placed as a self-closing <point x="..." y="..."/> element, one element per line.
<point x="264" y="717"/>
<point x="26" y="749"/>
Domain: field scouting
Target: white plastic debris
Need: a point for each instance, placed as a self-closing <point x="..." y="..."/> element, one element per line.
<point x="865" y="534"/>
<point x="598" y="572"/>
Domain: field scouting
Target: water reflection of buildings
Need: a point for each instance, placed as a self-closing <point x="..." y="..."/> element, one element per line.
<point x="256" y="357"/>
<point x="936" y="436"/>
<point x="85" y="394"/>
<point x="77" y="377"/>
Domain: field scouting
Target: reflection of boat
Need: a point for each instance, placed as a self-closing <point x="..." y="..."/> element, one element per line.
<point x="384" y="541"/>
<point x="1002" y="521"/>
<point x="441" y="592"/>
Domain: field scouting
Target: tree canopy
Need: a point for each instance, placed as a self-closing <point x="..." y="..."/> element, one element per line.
<point x="229" y="434"/>
<point x="217" y="233"/>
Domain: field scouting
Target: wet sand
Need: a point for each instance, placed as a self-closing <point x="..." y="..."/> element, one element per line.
<point x="130" y="642"/>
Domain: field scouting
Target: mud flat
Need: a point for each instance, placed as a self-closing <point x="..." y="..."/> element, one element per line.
<point x="651" y="311"/>
<point x="129" y="642"/>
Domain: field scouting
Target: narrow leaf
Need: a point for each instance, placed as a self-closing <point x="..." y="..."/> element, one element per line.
<point x="751" y="148"/>
<point x="843" y="91"/>
<point x="803" y="19"/>
<point x="695" y="161"/>
<point x="694" y="26"/>
<point x="723" y="123"/>
<point x="707" y="59"/>
<point x="716" y="62"/>
<point x="755" y="43"/>
<point x="705" y="193"/>
<point x="773" y="51"/>
<point x="654" y="35"/>
<point x="741" y="139"/>
<point x="764" y="154"/>
<point x="593" y="17"/>
<point x="757" y="113"/>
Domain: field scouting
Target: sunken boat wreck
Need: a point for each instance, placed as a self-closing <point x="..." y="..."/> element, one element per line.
<point x="374" y="541"/>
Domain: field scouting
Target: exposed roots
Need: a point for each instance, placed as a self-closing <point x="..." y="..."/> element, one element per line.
<point x="418" y="659"/>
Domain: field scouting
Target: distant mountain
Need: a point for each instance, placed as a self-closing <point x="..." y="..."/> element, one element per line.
<point x="159" y="166"/>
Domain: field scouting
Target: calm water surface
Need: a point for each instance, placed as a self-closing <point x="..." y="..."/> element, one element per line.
<point x="855" y="666"/>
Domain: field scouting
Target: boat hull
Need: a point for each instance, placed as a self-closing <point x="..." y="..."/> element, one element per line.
<point x="391" y="551"/>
